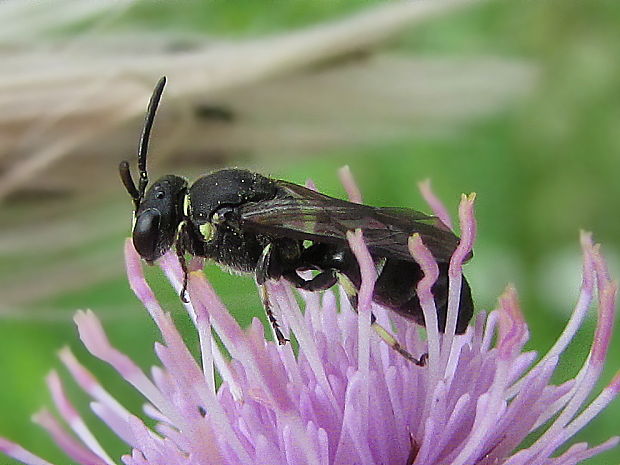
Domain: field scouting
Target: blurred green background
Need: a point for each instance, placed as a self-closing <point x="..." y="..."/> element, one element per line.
<point x="544" y="160"/>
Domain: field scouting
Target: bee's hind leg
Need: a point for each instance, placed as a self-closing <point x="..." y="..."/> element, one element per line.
<point x="391" y="340"/>
<point x="382" y="332"/>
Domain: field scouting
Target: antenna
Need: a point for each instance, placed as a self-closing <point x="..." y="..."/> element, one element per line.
<point x="138" y="193"/>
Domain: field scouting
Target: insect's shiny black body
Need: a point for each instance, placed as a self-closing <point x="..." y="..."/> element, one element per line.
<point x="245" y="212"/>
<point x="221" y="194"/>
<point x="275" y="229"/>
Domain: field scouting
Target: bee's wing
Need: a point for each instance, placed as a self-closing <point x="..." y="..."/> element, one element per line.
<point x="308" y="215"/>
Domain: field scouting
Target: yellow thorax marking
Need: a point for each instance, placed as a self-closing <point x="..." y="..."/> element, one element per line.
<point x="207" y="231"/>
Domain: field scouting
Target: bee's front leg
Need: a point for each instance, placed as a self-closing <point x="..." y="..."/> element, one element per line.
<point x="265" y="262"/>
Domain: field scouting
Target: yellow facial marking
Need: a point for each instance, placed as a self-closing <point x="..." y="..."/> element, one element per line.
<point x="207" y="231"/>
<point x="186" y="205"/>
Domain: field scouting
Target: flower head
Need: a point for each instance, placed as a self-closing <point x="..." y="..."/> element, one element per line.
<point x="346" y="397"/>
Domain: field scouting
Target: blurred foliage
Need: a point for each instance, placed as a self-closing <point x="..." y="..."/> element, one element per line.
<point x="543" y="168"/>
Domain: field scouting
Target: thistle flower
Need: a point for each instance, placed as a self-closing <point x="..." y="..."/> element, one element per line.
<point x="345" y="397"/>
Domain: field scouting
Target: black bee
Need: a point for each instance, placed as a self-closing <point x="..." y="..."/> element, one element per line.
<point x="275" y="229"/>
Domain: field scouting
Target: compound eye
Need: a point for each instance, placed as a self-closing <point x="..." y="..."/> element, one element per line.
<point x="146" y="233"/>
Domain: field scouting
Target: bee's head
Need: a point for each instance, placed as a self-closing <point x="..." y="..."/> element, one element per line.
<point x="158" y="211"/>
<point x="158" y="217"/>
